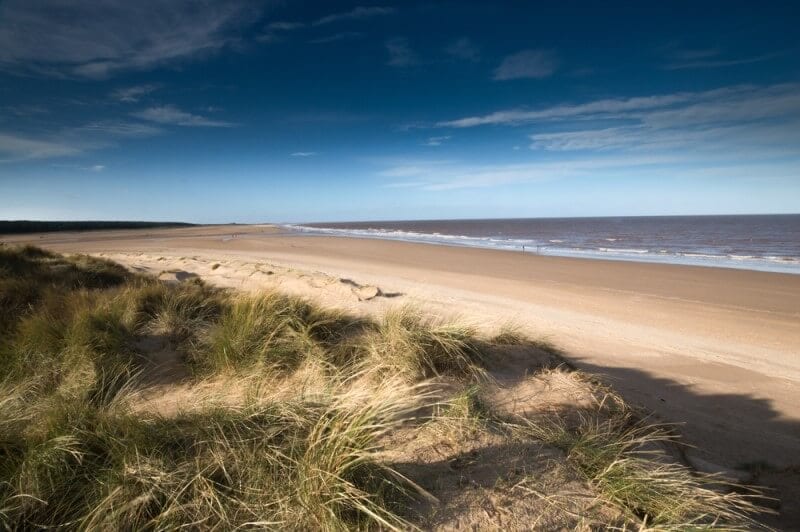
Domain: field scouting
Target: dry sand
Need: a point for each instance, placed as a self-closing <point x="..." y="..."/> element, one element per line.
<point x="716" y="350"/>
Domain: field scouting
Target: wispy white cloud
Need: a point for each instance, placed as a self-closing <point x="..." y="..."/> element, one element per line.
<point x="535" y="64"/>
<point x="303" y="154"/>
<point x="360" y="12"/>
<point x="718" y="62"/>
<point x="679" y="57"/>
<point x="463" y="48"/>
<point x="95" y="168"/>
<point x="734" y="132"/>
<point x="458" y="176"/>
<point x="342" y="36"/>
<point x="743" y="100"/>
<point x="24" y="110"/>
<point x="400" y="53"/>
<point x="171" y="115"/>
<point x="451" y="175"/>
<point x="437" y="141"/>
<point x="119" y="129"/>
<point x="275" y="31"/>
<point x="72" y="141"/>
<point x="15" y="147"/>
<point x="285" y="26"/>
<point x="746" y="118"/>
<point x="103" y="38"/>
<point x="133" y="94"/>
<point x="691" y="54"/>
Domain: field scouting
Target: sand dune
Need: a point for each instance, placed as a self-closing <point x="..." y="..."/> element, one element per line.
<point x="715" y="350"/>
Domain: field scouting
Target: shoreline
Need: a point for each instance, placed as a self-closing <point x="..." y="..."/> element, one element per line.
<point x="731" y="261"/>
<point x="713" y="349"/>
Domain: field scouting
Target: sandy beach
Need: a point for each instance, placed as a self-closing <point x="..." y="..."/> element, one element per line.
<point x="714" y="350"/>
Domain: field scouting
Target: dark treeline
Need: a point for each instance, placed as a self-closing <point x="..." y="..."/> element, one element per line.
<point x="28" y="226"/>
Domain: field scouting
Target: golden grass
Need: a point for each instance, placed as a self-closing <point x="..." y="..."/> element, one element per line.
<point x="303" y="448"/>
<point x="625" y="460"/>
<point x="415" y="346"/>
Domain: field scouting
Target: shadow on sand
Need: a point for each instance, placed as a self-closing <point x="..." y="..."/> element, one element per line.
<point x="736" y="431"/>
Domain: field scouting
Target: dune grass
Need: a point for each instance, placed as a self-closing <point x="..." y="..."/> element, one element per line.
<point x="274" y="332"/>
<point x="75" y="454"/>
<point x="282" y="464"/>
<point x="416" y="346"/>
<point x="624" y="459"/>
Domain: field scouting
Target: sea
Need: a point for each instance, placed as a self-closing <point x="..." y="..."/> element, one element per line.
<point x="752" y="242"/>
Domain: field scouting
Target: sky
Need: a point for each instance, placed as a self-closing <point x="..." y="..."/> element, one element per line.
<point x="269" y="111"/>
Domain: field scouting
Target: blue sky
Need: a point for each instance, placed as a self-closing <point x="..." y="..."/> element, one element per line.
<point x="277" y="111"/>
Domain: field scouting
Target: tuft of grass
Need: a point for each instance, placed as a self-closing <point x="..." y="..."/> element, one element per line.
<point x="275" y="331"/>
<point x="71" y="334"/>
<point x="510" y="334"/>
<point x="408" y="343"/>
<point x="302" y="464"/>
<point x="180" y="312"/>
<point x="252" y="331"/>
<point x="621" y="458"/>
<point x="27" y="274"/>
<point x="463" y="415"/>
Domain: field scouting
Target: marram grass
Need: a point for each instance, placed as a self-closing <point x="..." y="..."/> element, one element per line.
<point x="75" y="453"/>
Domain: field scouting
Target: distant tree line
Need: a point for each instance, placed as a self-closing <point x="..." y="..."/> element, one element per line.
<point x="28" y="226"/>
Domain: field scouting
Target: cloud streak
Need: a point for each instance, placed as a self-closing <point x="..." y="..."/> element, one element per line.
<point x="119" y="129"/>
<point x="71" y="141"/>
<point x="400" y="53"/>
<point x="463" y="49"/>
<point x="336" y="37"/>
<point x="102" y="39"/>
<point x="357" y="13"/>
<point x="749" y="119"/>
<point x="743" y="102"/>
<point x="435" y="177"/>
<point x="535" y="64"/>
<point x="735" y="132"/>
<point x="437" y="141"/>
<point x="15" y="148"/>
<point x="275" y="30"/>
<point x="171" y="115"/>
<point x="717" y="63"/>
<point x="133" y="94"/>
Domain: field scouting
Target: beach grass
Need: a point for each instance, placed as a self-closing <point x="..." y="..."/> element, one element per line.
<point x="83" y="446"/>
<point x="624" y="459"/>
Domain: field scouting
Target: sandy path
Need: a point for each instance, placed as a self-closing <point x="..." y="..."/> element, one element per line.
<point x="717" y="350"/>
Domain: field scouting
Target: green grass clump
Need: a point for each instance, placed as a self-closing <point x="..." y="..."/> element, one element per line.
<point x="180" y="312"/>
<point x="622" y="459"/>
<point x="253" y="331"/>
<point x="303" y="465"/>
<point x="69" y="335"/>
<point x="274" y="331"/>
<point x="408" y="343"/>
<point x="27" y="274"/>
<point x="463" y="415"/>
<point x="510" y="334"/>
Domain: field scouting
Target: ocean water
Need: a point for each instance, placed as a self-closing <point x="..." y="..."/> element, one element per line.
<point x="755" y="242"/>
